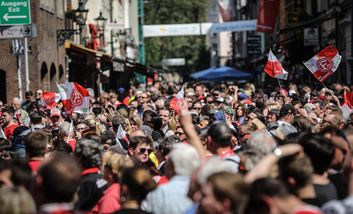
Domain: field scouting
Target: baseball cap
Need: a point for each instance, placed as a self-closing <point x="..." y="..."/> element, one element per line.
<point x="229" y="110"/>
<point x="286" y="109"/>
<point x="55" y="112"/>
<point x="309" y="107"/>
<point x="219" y="116"/>
<point x="220" y="99"/>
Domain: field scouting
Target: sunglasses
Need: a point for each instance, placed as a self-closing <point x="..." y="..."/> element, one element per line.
<point x="143" y="150"/>
<point x="80" y="129"/>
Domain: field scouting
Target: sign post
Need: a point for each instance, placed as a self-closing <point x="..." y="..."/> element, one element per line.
<point x="15" y="12"/>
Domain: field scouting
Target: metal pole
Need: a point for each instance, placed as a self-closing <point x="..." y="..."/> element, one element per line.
<point x="26" y="64"/>
<point x="19" y="76"/>
<point x="16" y="50"/>
<point x="111" y="31"/>
<point x="351" y="64"/>
<point x="126" y="14"/>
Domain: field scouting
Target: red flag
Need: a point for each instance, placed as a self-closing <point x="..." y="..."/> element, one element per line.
<point x="267" y="15"/>
<point x="274" y="67"/>
<point x="74" y="97"/>
<point x="178" y="98"/>
<point x="49" y="99"/>
<point x="324" y="64"/>
<point x="348" y="99"/>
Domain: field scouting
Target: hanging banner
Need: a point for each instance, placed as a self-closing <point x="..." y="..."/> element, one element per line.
<point x="266" y="15"/>
<point x="197" y="29"/>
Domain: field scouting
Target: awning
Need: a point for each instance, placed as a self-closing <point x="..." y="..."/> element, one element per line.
<point x="121" y="65"/>
<point x="105" y="59"/>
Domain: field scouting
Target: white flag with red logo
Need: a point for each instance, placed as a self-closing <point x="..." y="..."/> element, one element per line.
<point x="274" y="67"/>
<point x="324" y="64"/>
<point x="74" y="97"/>
<point x="121" y="134"/>
<point x="179" y="97"/>
<point x="49" y="99"/>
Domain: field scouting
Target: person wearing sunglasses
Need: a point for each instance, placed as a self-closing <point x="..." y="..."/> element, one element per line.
<point x="140" y="148"/>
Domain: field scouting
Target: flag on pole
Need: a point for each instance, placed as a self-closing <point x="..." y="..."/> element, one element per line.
<point x="121" y="134"/>
<point x="74" y="97"/>
<point x="348" y="99"/>
<point x="49" y="99"/>
<point x="178" y="98"/>
<point x="324" y="64"/>
<point x="274" y="67"/>
<point x="2" y="134"/>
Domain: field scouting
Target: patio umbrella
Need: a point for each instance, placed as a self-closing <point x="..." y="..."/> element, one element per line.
<point x="221" y="73"/>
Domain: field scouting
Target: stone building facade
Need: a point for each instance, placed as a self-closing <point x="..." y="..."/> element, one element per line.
<point x="46" y="60"/>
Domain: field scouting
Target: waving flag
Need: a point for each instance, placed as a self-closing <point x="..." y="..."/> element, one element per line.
<point x="121" y="134"/>
<point x="49" y="99"/>
<point x="348" y="99"/>
<point x="274" y="67"/>
<point x="324" y="64"/>
<point x="178" y="98"/>
<point x="74" y="97"/>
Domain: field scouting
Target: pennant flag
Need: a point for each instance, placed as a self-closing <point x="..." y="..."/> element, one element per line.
<point x="2" y="134"/>
<point x="178" y="98"/>
<point x="324" y="64"/>
<point x="74" y="97"/>
<point x="121" y="134"/>
<point x="49" y="99"/>
<point x="348" y="99"/>
<point x="274" y="67"/>
<point x="347" y="111"/>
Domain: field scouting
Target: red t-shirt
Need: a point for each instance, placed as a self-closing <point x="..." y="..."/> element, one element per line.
<point x="35" y="164"/>
<point x="72" y="143"/>
<point x="8" y="131"/>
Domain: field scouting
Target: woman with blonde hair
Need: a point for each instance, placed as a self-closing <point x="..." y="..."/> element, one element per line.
<point x="135" y="123"/>
<point x="16" y="200"/>
<point x="114" y="165"/>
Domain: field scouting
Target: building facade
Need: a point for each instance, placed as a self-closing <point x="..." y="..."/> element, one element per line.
<point x="46" y="61"/>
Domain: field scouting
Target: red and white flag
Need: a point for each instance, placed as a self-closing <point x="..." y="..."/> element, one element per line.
<point x="49" y="99"/>
<point x="121" y="134"/>
<point x="74" y="97"/>
<point x="179" y="97"/>
<point x="347" y="106"/>
<point x="324" y="64"/>
<point x="274" y="67"/>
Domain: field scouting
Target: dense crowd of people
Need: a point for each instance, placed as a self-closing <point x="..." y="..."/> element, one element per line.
<point x="221" y="148"/>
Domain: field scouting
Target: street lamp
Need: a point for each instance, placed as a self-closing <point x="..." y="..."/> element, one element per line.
<point x="101" y="22"/>
<point x="80" y="15"/>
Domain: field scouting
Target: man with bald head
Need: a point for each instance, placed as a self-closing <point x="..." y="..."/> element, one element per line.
<point x="20" y="114"/>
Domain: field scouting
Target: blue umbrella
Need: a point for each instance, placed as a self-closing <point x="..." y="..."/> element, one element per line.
<point x="202" y="73"/>
<point x="221" y="73"/>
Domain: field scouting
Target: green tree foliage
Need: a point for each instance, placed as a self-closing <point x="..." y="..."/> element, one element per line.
<point x="192" y="48"/>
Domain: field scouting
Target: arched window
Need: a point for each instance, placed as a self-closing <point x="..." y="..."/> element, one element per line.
<point x="43" y="71"/>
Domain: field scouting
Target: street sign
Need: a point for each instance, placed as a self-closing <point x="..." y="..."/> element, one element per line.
<point x="16" y="31"/>
<point x="15" y="12"/>
<point x="173" y="62"/>
<point x="254" y="45"/>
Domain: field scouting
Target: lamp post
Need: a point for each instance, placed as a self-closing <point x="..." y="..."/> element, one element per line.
<point x="101" y="22"/>
<point x="79" y="16"/>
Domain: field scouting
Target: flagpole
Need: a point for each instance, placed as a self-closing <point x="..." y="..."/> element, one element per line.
<point x="70" y="130"/>
<point x="280" y="88"/>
